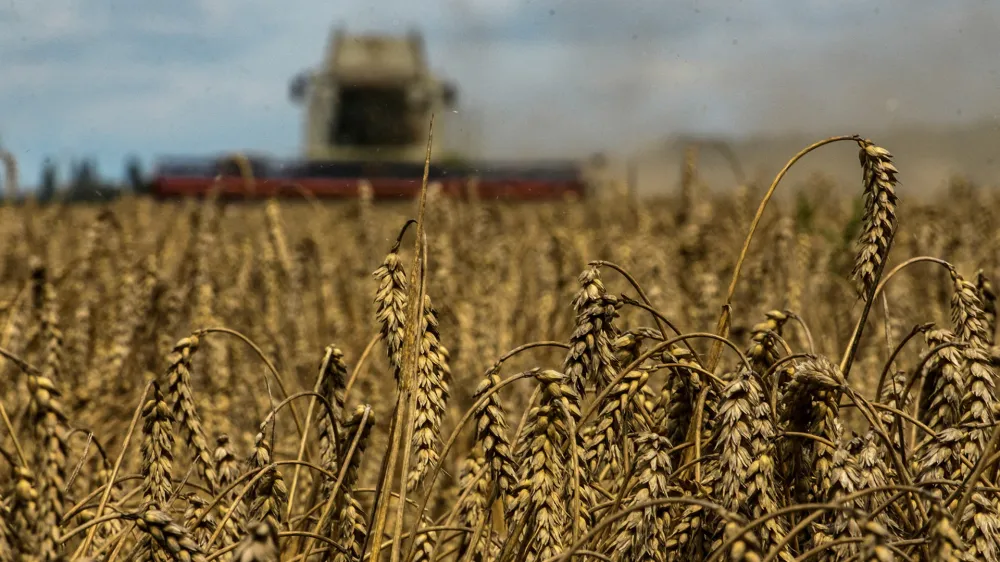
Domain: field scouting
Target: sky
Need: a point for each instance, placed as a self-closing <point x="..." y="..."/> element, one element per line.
<point x="107" y="79"/>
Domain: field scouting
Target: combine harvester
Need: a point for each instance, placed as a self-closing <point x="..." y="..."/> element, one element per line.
<point x="367" y="116"/>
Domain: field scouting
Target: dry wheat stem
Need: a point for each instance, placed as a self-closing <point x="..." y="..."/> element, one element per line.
<point x="305" y="435"/>
<point x="13" y="435"/>
<point x="415" y="298"/>
<point x="653" y="351"/>
<point x="970" y="485"/>
<point x="723" y="326"/>
<point x="357" y="370"/>
<point x="917" y="329"/>
<point x="849" y="352"/>
<point x="114" y="472"/>
<point x="635" y="285"/>
<point x="305" y="534"/>
<point x="328" y="506"/>
<point x="453" y="438"/>
<point x="818" y="510"/>
<point x="610" y="519"/>
<point x="267" y="362"/>
<point x="415" y="332"/>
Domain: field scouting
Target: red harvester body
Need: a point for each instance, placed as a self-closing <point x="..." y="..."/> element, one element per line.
<point x="325" y="180"/>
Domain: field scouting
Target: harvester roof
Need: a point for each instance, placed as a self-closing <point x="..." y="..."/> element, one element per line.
<point x="370" y="57"/>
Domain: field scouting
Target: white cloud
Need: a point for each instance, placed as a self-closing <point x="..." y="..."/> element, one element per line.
<point x="34" y="21"/>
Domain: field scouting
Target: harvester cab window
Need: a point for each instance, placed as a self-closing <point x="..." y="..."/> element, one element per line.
<point x="372" y="116"/>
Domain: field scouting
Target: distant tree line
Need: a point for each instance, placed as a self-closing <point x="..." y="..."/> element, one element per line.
<point x="85" y="183"/>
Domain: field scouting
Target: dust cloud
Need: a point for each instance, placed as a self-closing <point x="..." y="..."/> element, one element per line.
<point x="635" y="78"/>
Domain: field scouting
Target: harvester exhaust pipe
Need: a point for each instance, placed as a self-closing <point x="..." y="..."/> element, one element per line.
<point x="11" y="188"/>
<point x="472" y="189"/>
<point x="689" y="177"/>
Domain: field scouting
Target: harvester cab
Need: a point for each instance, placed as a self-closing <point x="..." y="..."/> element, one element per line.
<point x="371" y="100"/>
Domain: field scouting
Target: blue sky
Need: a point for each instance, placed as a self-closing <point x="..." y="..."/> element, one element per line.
<point x="110" y="78"/>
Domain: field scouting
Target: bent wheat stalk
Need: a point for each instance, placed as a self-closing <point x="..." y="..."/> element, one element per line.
<point x="724" y="320"/>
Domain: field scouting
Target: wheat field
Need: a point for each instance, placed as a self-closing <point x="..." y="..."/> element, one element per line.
<point x="236" y="381"/>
